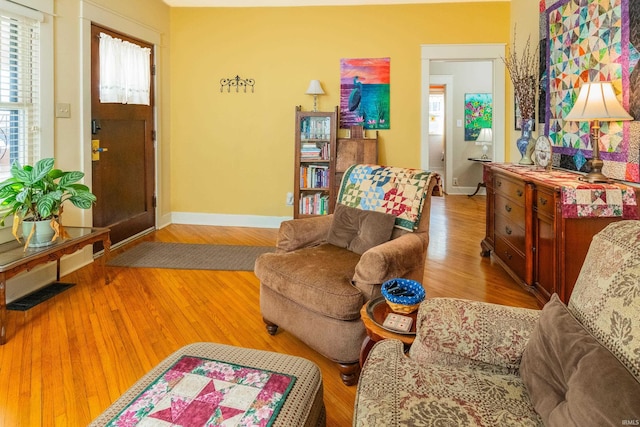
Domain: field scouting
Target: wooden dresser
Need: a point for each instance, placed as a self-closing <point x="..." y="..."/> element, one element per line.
<point x="540" y="238"/>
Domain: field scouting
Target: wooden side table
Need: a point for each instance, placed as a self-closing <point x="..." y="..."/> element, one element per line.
<point x="373" y="314"/>
<point x="14" y="259"/>
<point x="481" y="183"/>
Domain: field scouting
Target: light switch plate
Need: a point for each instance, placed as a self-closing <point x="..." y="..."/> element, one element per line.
<point x="63" y="110"/>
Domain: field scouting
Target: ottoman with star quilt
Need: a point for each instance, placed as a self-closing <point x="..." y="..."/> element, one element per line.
<point x="209" y="384"/>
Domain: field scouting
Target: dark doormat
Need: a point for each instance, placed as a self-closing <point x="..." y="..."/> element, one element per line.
<point x="36" y="297"/>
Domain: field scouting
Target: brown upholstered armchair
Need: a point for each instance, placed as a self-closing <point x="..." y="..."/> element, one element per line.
<point x="325" y="268"/>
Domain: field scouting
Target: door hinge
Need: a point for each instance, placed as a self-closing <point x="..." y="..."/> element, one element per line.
<point x="154" y="201"/>
<point x="153" y="70"/>
<point x="153" y="135"/>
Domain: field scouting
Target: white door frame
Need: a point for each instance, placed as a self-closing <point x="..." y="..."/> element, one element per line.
<point x="493" y="53"/>
<point x="447" y="82"/>
<point x="94" y="13"/>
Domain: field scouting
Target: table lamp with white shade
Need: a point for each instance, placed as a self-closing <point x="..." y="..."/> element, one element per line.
<point x="315" y="89"/>
<point x="597" y="102"/>
<point x="485" y="138"/>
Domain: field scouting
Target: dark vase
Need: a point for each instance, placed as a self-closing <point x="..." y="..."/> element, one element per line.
<point x="526" y="143"/>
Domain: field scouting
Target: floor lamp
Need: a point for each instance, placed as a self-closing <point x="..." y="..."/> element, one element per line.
<point x="596" y="103"/>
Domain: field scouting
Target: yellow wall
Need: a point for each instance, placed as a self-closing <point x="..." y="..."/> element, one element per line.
<point x="525" y="19"/>
<point x="232" y="153"/>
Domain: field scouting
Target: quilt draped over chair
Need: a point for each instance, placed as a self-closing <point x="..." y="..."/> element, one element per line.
<point x="314" y="286"/>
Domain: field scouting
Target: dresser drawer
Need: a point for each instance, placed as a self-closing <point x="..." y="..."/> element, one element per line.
<point x="545" y="203"/>
<point x="511" y="188"/>
<point x="511" y="231"/>
<point x="509" y="208"/>
<point x="511" y="257"/>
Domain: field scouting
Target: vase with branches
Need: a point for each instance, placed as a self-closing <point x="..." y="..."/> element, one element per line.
<point x="523" y="72"/>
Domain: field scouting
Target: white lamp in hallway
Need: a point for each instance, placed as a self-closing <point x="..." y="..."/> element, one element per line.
<point x="485" y="138"/>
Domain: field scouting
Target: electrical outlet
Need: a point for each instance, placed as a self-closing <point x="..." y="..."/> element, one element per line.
<point x="289" y="199"/>
<point x="455" y="181"/>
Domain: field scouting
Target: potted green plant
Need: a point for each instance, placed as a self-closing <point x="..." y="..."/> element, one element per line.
<point x="34" y="196"/>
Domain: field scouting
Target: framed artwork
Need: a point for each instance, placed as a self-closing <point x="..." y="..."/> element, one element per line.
<point x="478" y="114"/>
<point x="364" y="93"/>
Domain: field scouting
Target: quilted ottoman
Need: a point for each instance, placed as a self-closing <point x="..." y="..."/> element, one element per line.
<point x="214" y="369"/>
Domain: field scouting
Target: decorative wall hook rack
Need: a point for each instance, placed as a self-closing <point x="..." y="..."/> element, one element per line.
<point x="236" y="82"/>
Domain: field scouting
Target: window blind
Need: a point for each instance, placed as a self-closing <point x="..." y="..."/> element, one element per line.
<point x="19" y="90"/>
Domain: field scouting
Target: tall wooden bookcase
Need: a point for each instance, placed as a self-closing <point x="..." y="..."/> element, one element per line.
<point x="321" y="159"/>
<point x="315" y="159"/>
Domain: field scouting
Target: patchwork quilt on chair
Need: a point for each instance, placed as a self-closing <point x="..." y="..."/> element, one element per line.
<point x="392" y="190"/>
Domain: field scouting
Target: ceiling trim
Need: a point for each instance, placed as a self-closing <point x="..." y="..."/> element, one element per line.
<point x="297" y="3"/>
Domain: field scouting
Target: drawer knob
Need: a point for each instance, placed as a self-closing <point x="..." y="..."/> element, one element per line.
<point x="519" y="192"/>
<point x="508" y="255"/>
<point x="499" y="183"/>
<point x="543" y="201"/>
<point x="508" y="230"/>
<point x="507" y="208"/>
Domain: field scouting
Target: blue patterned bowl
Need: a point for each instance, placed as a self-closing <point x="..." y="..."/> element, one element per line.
<point x="403" y="295"/>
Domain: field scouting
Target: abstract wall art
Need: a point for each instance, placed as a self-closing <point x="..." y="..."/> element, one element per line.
<point x="478" y="114"/>
<point x="364" y="93"/>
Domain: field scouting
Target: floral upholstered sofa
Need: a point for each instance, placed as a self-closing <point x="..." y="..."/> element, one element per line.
<point x="480" y="364"/>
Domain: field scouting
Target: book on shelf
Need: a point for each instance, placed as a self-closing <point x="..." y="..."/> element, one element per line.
<point x="314" y="204"/>
<point x="315" y="128"/>
<point x="314" y="176"/>
<point x="314" y="151"/>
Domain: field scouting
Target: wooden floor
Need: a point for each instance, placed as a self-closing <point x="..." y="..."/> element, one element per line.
<point x="69" y="358"/>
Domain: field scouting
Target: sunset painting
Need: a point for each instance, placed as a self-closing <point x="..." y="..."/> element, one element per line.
<point x="364" y="93"/>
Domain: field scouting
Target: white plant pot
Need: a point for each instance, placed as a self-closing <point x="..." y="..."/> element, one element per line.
<point x="42" y="236"/>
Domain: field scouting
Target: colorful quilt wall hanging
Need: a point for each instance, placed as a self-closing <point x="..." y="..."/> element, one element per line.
<point x="591" y="40"/>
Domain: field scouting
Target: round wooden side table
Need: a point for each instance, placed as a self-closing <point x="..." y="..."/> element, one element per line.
<point x="373" y="314"/>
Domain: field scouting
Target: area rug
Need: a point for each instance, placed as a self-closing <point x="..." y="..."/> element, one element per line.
<point x="203" y="392"/>
<point x="188" y="256"/>
<point x="36" y="297"/>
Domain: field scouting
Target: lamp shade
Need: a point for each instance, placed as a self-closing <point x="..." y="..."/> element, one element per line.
<point x="315" y="88"/>
<point x="597" y="101"/>
<point x="485" y="137"/>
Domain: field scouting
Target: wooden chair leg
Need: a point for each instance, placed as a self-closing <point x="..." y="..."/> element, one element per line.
<point x="272" y="328"/>
<point x="349" y="372"/>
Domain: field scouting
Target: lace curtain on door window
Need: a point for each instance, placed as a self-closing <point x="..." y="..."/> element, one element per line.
<point x="125" y="75"/>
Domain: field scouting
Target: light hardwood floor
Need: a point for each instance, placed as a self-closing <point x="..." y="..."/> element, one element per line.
<point x="69" y="358"/>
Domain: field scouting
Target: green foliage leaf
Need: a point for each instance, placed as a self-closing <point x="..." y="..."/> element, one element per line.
<point x="48" y="204"/>
<point x="19" y="173"/>
<point x="41" y="169"/>
<point x="83" y="200"/>
<point x="55" y="174"/>
<point x="70" y="177"/>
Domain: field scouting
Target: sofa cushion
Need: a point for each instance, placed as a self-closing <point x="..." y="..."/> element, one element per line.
<point x="323" y="286"/>
<point x="358" y="230"/>
<point x="395" y="390"/>
<point x="571" y="378"/>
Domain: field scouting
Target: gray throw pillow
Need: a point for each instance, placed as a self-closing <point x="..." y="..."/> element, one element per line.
<point x="358" y="230"/>
<point x="571" y="378"/>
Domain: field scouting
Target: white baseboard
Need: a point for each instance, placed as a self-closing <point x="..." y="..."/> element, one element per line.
<point x="227" y="220"/>
<point x="43" y="275"/>
<point x="459" y="191"/>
